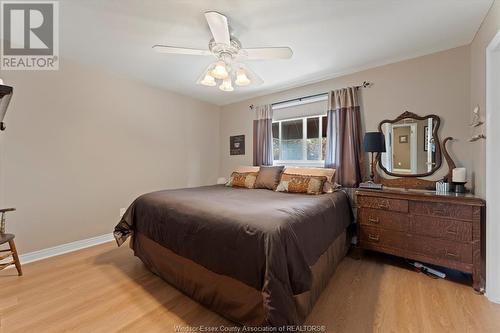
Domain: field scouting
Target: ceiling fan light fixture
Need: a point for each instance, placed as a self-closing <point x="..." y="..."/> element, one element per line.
<point x="226" y="85"/>
<point x="241" y="78"/>
<point x="208" y="80"/>
<point x="220" y="71"/>
<point x="227" y="50"/>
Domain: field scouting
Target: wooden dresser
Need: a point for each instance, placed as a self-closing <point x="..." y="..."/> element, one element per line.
<point x="441" y="229"/>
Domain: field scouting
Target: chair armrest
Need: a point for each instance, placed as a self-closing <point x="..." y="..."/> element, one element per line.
<point x="4" y="210"/>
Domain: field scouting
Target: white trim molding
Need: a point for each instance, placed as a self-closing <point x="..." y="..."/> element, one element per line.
<point x="64" y="248"/>
<point x="492" y="175"/>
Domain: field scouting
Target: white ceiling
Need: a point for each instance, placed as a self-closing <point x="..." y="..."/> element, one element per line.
<point x="328" y="37"/>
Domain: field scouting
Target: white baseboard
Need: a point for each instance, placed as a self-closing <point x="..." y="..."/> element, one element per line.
<point x="64" y="248"/>
<point x="493" y="298"/>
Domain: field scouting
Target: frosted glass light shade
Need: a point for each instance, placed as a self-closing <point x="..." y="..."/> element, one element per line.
<point x="220" y="71"/>
<point x="226" y="85"/>
<point x="208" y="80"/>
<point x="241" y="78"/>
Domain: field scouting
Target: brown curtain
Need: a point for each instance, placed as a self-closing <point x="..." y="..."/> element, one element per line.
<point x="343" y="150"/>
<point x="263" y="136"/>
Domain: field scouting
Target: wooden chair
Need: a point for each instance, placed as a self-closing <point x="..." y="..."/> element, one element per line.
<point x="8" y="238"/>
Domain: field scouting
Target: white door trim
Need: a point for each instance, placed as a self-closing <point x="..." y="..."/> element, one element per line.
<point x="492" y="175"/>
<point x="430" y="129"/>
<point x="389" y="140"/>
<point x="413" y="151"/>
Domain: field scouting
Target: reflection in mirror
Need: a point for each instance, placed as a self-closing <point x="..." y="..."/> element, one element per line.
<point x="410" y="146"/>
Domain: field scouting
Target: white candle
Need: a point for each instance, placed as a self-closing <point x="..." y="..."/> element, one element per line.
<point x="459" y="175"/>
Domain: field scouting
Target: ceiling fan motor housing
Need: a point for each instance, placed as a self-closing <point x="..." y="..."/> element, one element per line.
<point x="223" y="51"/>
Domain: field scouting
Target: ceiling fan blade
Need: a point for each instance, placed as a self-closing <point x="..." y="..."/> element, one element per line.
<point x="180" y="50"/>
<point x="267" y="53"/>
<point x="219" y="27"/>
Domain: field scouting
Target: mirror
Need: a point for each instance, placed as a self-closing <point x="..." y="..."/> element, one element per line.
<point x="412" y="146"/>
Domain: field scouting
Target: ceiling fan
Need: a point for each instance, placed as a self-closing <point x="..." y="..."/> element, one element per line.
<point x="228" y="51"/>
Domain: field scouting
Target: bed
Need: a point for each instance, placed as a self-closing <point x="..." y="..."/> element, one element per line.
<point x="255" y="256"/>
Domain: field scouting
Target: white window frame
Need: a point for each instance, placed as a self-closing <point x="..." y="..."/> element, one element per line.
<point x="304" y="162"/>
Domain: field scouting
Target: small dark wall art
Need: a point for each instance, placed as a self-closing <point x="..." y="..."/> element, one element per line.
<point x="237" y="145"/>
<point x="403" y="139"/>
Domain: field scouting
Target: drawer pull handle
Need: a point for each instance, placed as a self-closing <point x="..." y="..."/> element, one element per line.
<point x="451" y="254"/>
<point x="373" y="220"/>
<point x="373" y="237"/>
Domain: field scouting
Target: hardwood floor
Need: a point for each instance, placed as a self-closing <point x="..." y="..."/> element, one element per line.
<point x="107" y="289"/>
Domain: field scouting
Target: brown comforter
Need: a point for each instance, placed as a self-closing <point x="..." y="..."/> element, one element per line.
<point x="265" y="239"/>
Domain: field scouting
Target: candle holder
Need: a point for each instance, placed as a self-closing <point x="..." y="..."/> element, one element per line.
<point x="459" y="187"/>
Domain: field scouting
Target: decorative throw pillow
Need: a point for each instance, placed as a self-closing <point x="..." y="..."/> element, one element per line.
<point x="330" y="187"/>
<point x="269" y="177"/>
<point x="301" y="184"/>
<point x="329" y="173"/>
<point x="246" y="168"/>
<point x="246" y="179"/>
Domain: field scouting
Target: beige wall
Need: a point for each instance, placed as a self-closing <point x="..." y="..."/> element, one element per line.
<point x="80" y="144"/>
<point x="436" y="83"/>
<point x="488" y="30"/>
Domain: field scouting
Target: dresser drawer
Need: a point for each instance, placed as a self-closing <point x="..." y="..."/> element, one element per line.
<point x="442" y="249"/>
<point x="381" y="237"/>
<point x="441" y="228"/>
<point x="383" y="219"/>
<point x="440" y="209"/>
<point x="396" y="205"/>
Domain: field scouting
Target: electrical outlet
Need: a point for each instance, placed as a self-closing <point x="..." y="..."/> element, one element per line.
<point x="122" y="211"/>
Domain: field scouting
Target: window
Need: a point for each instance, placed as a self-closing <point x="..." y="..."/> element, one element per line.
<point x="300" y="141"/>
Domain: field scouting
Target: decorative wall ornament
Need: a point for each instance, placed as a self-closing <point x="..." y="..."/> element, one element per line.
<point x="476" y="121"/>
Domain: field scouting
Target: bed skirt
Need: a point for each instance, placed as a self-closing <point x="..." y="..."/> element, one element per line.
<point x="225" y="295"/>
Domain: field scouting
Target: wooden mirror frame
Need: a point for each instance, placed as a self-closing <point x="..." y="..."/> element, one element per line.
<point x="437" y="144"/>
<point x="413" y="180"/>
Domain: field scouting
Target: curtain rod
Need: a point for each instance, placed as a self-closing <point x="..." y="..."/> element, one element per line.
<point x="365" y="84"/>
